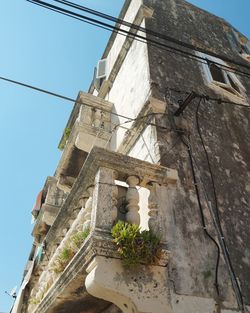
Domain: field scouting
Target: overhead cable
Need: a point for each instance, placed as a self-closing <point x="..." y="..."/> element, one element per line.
<point x="202" y="215"/>
<point x="135" y="35"/>
<point x="129" y="119"/>
<point x="150" y="32"/>
<point x="219" y="229"/>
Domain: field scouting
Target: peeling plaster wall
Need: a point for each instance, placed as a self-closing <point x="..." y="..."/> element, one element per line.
<point x="225" y="130"/>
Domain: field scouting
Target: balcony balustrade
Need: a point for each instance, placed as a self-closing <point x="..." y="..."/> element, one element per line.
<point x="92" y="207"/>
<point x="89" y="125"/>
<point x="52" y="199"/>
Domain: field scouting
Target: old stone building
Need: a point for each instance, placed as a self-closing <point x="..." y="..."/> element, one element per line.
<point x="161" y="140"/>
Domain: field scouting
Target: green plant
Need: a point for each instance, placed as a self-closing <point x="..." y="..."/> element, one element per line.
<point x="135" y="246"/>
<point x="67" y="253"/>
<point x="34" y="301"/>
<point x="63" y="259"/>
<point x="78" y="238"/>
<point x="207" y="274"/>
<point x="66" y="134"/>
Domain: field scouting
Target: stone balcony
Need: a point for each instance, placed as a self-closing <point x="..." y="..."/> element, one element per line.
<point x="52" y="199"/>
<point x="94" y="277"/>
<point x="89" y="125"/>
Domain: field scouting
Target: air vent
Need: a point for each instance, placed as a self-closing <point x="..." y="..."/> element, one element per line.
<point x="101" y="71"/>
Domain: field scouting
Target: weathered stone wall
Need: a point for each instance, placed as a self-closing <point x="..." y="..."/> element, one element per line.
<point x="225" y="130"/>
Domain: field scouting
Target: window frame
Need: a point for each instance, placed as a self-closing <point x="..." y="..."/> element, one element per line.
<point x="222" y="86"/>
<point x="242" y="44"/>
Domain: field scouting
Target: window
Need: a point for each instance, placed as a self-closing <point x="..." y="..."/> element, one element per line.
<point x="245" y="48"/>
<point x="242" y="44"/>
<point x="218" y="76"/>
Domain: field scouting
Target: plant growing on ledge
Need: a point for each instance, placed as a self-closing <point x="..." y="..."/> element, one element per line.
<point x="68" y="252"/>
<point x="78" y="239"/>
<point x="34" y="301"/>
<point x="63" y="259"/>
<point x="135" y="246"/>
<point x="66" y="134"/>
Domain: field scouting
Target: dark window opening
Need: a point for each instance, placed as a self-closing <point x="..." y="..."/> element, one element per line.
<point x="232" y="83"/>
<point x="217" y="73"/>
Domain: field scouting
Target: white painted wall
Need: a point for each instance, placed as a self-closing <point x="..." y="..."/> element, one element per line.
<point x="146" y="147"/>
<point x="115" y="50"/>
<point x="131" y="87"/>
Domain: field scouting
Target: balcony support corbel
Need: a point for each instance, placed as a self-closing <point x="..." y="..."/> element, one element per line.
<point x="143" y="290"/>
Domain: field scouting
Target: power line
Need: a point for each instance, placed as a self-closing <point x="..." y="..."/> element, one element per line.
<point x="69" y="15"/>
<point x="221" y="236"/>
<point x="208" y="98"/>
<point x="119" y="30"/>
<point x="135" y="35"/>
<point x="129" y="119"/>
<point x="149" y="31"/>
<point x="216" y="217"/>
<point x="203" y="222"/>
<point x="181" y="133"/>
<point x="132" y="35"/>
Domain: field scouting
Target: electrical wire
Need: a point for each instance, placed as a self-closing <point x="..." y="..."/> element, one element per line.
<point x="67" y="14"/>
<point x="129" y="119"/>
<point x="221" y="236"/>
<point x="156" y="43"/>
<point x="191" y="161"/>
<point x="180" y="134"/>
<point x="203" y="222"/>
<point x="207" y="98"/>
<point x="121" y="34"/>
<point x="136" y="36"/>
<point x="216" y="218"/>
<point x="149" y="32"/>
<point x="198" y="127"/>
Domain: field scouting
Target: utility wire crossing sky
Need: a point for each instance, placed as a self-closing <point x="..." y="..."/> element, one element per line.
<point x="45" y="49"/>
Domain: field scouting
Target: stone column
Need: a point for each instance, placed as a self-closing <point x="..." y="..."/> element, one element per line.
<point x="97" y="116"/>
<point x="104" y="211"/>
<point x="81" y="216"/>
<point x="154" y="222"/>
<point x="158" y="203"/>
<point x="132" y="199"/>
<point x="88" y="209"/>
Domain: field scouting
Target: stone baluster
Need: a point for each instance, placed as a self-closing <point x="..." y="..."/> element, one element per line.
<point x="153" y="206"/>
<point x="81" y="215"/>
<point x="132" y="199"/>
<point x="106" y="121"/>
<point x="88" y="208"/>
<point x="85" y="115"/>
<point x="97" y="117"/>
<point x="104" y="200"/>
<point x="156" y="216"/>
<point x="114" y="212"/>
<point x="82" y="221"/>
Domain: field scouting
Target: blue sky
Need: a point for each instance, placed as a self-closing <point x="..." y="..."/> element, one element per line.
<point x="58" y="54"/>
